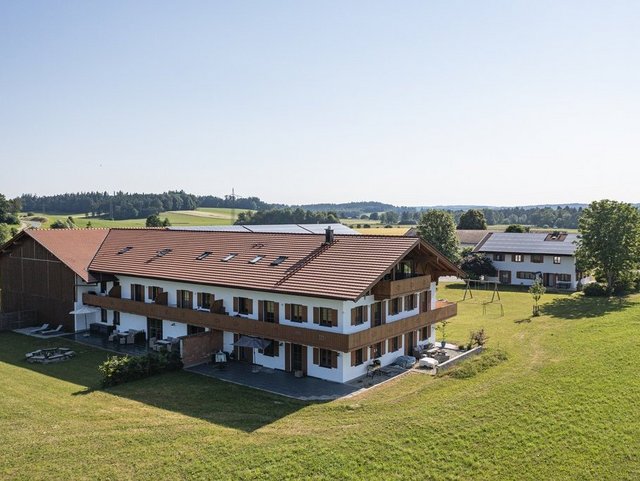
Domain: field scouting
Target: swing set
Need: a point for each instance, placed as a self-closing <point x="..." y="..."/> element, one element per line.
<point x="486" y="286"/>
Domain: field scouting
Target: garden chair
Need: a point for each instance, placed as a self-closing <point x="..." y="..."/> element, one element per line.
<point x="52" y="331"/>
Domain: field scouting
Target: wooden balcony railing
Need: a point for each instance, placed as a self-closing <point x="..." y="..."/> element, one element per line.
<point x="298" y="335"/>
<point x="401" y="287"/>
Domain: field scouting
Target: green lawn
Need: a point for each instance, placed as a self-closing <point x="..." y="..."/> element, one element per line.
<point x="201" y="216"/>
<point x="564" y="406"/>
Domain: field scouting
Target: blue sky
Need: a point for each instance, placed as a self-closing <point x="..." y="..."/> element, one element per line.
<point x="412" y="103"/>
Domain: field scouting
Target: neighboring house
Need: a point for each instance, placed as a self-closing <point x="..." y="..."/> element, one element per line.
<point x="322" y="305"/>
<point x="466" y="237"/>
<point x="46" y="271"/>
<point x="522" y="258"/>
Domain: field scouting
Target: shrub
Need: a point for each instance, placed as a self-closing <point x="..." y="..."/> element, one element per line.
<point x="477" y="365"/>
<point x="594" y="289"/>
<point x="119" y="369"/>
<point x="478" y="338"/>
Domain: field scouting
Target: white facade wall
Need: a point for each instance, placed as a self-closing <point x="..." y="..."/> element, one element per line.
<point x="344" y="372"/>
<point x="567" y="266"/>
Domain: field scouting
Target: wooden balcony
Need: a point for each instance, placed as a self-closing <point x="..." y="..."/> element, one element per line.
<point x="401" y="287"/>
<point x="251" y="327"/>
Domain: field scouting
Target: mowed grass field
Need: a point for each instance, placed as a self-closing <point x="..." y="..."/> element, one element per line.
<point x="200" y="216"/>
<point x="564" y="406"/>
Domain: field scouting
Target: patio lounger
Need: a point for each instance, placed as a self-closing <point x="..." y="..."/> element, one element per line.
<point x="131" y="338"/>
<point x="44" y="327"/>
<point x="52" y="331"/>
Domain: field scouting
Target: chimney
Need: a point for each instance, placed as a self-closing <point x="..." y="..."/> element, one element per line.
<point x="328" y="235"/>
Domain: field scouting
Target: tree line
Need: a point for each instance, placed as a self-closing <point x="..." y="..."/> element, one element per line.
<point x="287" y="216"/>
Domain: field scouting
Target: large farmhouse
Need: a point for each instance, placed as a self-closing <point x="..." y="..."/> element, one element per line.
<point x="521" y="258"/>
<point x="324" y="305"/>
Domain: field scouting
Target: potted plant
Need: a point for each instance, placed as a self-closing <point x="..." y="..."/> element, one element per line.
<point x="442" y="329"/>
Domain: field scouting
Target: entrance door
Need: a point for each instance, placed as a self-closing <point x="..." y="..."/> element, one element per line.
<point x="505" y="277"/>
<point x="549" y="280"/>
<point x="409" y="342"/>
<point x="295" y="358"/>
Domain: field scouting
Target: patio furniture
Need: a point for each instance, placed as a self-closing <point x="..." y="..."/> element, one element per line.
<point x="38" y="330"/>
<point x="57" y="330"/>
<point x="220" y="357"/>
<point x="428" y="362"/>
<point x="131" y="338"/>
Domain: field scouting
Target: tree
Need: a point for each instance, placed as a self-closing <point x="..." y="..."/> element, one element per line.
<point x="392" y="217"/>
<point x="59" y="224"/>
<point x="153" y="221"/>
<point x="374" y="216"/>
<point x="609" y="240"/>
<point x="165" y="222"/>
<point x="517" y="228"/>
<point x="476" y="265"/>
<point x="5" y="233"/>
<point x="473" y="219"/>
<point x="438" y="228"/>
<point x="537" y="290"/>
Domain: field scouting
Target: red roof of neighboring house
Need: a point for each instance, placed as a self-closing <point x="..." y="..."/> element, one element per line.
<point x="344" y="269"/>
<point x="74" y="247"/>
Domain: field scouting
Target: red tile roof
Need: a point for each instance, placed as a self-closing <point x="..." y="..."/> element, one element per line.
<point x="345" y="269"/>
<point x="74" y="247"/>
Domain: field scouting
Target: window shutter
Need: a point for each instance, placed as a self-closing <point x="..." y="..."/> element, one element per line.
<point x="382" y="346"/>
<point x="353" y="316"/>
<point x="199" y="299"/>
<point x="276" y="348"/>
<point x="365" y="313"/>
<point x="261" y="310"/>
<point x="287" y="311"/>
<point x="250" y="306"/>
<point x="305" y="317"/>
<point x="316" y="315"/>
<point x="276" y="312"/>
<point x="334" y="359"/>
<point x="353" y="358"/>
<point x="333" y="314"/>
<point x="236" y="304"/>
<point x="316" y="355"/>
<point x="365" y="354"/>
<point x="383" y="311"/>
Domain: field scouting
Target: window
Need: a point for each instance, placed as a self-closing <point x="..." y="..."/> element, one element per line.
<point x="278" y="260"/>
<point x="204" y="255"/>
<point x="297" y="313"/>
<point x="358" y="356"/>
<point x="537" y="258"/>
<point x="517" y="257"/>
<point x="410" y="302"/>
<point x="256" y="259"/>
<point x="425" y="333"/>
<point x="564" y="277"/>
<point x="272" y="350"/>
<point x="376" y="349"/>
<point x="137" y="292"/>
<point x="394" y="344"/>
<point x="498" y="257"/>
<point x="326" y="317"/>
<point x="228" y="257"/>
<point x="325" y="356"/>
<point x="154" y="328"/>
<point x="116" y="318"/>
<point x="184" y="299"/>
<point x="395" y="306"/>
<point x="243" y="305"/>
<point x="269" y="311"/>
<point x="377" y="318"/>
<point x="153" y="292"/>
<point x="163" y="252"/>
<point x="191" y="329"/>
<point x="526" y="275"/>
<point x="205" y="300"/>
<point x="358" y="315"/>
<point x="557" y="259"/>
<point x="405" y="269"/>
<point x="103" y="287"/>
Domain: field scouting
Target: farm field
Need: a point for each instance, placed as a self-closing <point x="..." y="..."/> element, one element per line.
<point x="564" y="406"/>
<point x="200" y="216"/>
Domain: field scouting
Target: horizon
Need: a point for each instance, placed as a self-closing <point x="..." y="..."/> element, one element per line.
<point x="412" y="104"/>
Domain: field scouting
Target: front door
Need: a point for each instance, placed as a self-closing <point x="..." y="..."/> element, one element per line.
<point x="296" y="358"/>
<point x="505" y="277"/>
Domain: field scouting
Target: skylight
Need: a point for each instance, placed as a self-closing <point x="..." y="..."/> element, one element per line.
<point x="124" y="249"/>
<point x="256" y="259"/>
<point x="204" y="255"/>
<point x="278" y="260"/>
<point x="163" y="252"/>
<point x="228" y="258"/>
